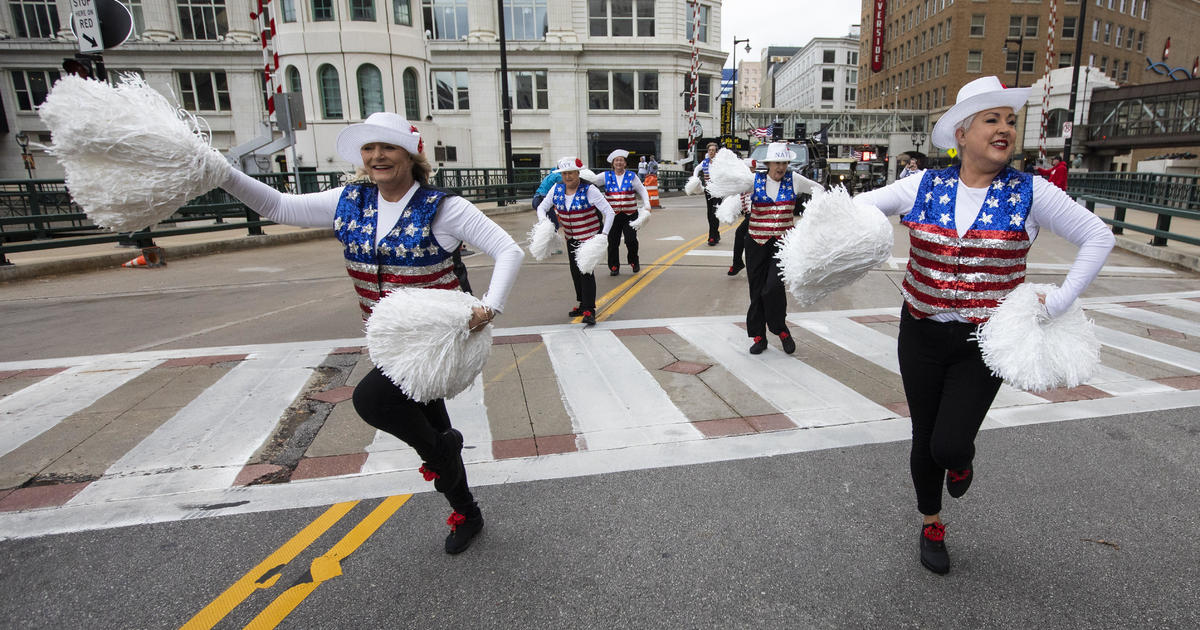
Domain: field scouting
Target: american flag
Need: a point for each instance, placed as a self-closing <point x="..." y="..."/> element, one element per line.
<point x="856" y="154"/>
<point x="761" y="132"/>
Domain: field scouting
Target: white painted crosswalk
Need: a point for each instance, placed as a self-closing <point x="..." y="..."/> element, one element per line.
<point x="620" y="416"/>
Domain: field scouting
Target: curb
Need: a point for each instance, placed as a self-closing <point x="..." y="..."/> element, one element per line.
<point x="1159" y="253"/>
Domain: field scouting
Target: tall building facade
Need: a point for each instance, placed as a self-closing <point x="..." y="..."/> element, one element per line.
<point x="585" y="76"/>
<point x="749" y="85"/>
<point x="822" y="75"/>
<point x="772" y="58"/>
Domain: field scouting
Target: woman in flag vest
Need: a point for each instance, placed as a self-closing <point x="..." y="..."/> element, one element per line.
<point x="772" y="201"/>
<point x="970" y="228"/>
<point x="399" y="232"/>
<point x="582" y="213"/>
<point x="622" y="189"/>
<point x="701" y="171"/>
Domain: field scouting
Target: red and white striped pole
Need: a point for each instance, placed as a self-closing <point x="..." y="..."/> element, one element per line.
<point x="693" y="99"/>
<point x="1049" y="67"/>
<point x="266" y="31"/>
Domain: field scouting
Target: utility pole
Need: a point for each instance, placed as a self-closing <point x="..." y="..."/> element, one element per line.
<point x="1075" y="81"/>
<point x="506" y="106"/>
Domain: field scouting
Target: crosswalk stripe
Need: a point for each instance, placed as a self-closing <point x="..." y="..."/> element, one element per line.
<point x="611" y="398"/>
<point x="1145" y="316"/>
<point x="206" y="443"/>
<point x="1154" y="350"/>
<point x="1119" y="383"/>
<point x="33" y="410"/>
<point x="806" y="395"/>
<point x="468" y="414"/>
<point x="1183" y="305"/>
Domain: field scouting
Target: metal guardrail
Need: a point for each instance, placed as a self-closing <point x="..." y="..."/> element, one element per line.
<point x="1164" y="195"/>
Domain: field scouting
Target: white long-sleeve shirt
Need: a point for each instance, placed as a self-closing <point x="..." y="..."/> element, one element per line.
<point x="1051" y="209"/>
<point x="595" y="197"/>
<point x="456" y="220"/>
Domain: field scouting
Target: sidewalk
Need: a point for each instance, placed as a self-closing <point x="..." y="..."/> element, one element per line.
<point x="50" y="262"/>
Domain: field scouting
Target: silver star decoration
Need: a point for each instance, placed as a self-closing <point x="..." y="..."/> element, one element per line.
<point x="352" y="194"/>
<point x="952" y="181"/>
<point x="353" y="224"/>
<point x="369" y="212"/>
<point x="945" y="218"/>
<point x="922" y="217"/>
<point x="997" y="185"/>
<point x="432" y="249"/>
<point x="985" y="218"/>
<point x="1013" y="183"/>
<point x="937" y="181"/>
<point x="1014" y="199"/>
<point x="337" y="223"/>
<point x="425" y="231"/>
<point x="385" y="249"/>
<point x="410" y="230"/>
<point x="1017" y="220"/>
<point x="992" y="202"/>
<point x="431" y="198"/>
<point x="928" y="197"/>
<point x="353" y="247"/>
<point x="944" y="199"/>
<point x="401" y="250"/>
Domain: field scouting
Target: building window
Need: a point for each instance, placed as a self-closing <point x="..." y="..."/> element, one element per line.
<point x="1068" y="28"/>
<point x="402" y="12"/>
<point x="293" y="79"/>
<point x="828" y="56"/>
<point x="1103" y="64"/>
<point x="445" y="19"/>
<point x="528" y="89"/>
<point x="597" y="90"/>
<point x="616" y="90"/>
<point x="524" y="19"/>
<point x="1107" y="32"/>
<point x="704" y="91"/>
<point x="975" y="61"/>
<point x="621" y="18"/>
<point x="450" y="90"/>
<point x="977" y="25"/>
<point x="1129" y="38"/>
<point x="852" y="76"/>
<point x="370" y="90"/>
<point x="32" y="86"/>
<point x="1095" y="30"/>
<point x="1145" y="5"/>
<point x="1141" y="40"/>
<point x="1066" y="60"/>
<point x="287" y="10"/>
<point x="445" y="153"/>
<point x="826" y="94"/>
<point x="852" y="57"/>
<point x="827" y="75"/>
<point x="139" y="18"/>
<point x="412" y="100"/>
<point x="1014" y="26"/>
<point x="704" y="14"/>
<point x="1120" y="36"/>
<point x="35" y="18"/>
<point x="647" y="90"/>
<point x="331" y="92"/>
<point x="204" y="91"/>
<point x="851" y="94"/>
<point x="322" y="10"/>
<point x="644" y="12"/>
<point x="202" y="19"/>
<point x="1125" y="72"/>
<point x="1032" y="22"/>
<point x="362" y="10"/>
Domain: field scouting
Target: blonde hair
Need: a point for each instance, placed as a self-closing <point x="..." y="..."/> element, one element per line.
<point x="421" y="170"/>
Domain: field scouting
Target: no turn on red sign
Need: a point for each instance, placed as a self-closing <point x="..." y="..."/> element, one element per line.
<point x="87" y="25"/>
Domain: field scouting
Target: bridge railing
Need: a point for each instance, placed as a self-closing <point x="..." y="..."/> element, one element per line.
<point x="1164" y="195"/>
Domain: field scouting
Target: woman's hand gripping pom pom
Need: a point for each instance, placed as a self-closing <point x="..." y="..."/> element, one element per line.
<point x="730" y="209"/>
<point x="642" y="217"/>
<point x="131" y="158"/>
<point x="835" y="243"/>
<point x="542" y="239"/>
<point x="591" y="252"/>
<point x="419" y="339"/>
<point x="729" y="175"/>
<point x="693" y="186"/>
<point x="1027" y="348"/>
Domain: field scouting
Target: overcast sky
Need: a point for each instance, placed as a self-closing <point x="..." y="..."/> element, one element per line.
<point x="783" y="23"/>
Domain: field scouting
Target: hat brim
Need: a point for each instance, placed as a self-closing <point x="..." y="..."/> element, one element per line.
<point x="568" y="170"/>
<point x="943" y="130"/>
<point x="616" y="154"/>
<point x="351" y="139"/>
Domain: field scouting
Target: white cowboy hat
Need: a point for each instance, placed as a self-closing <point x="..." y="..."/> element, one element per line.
<point x="974" y="97"/>
<point x="569" y="164"/>
<point x="618" y="153"/>
<point x="779" y="152"/>
<point x="378" y="127"/>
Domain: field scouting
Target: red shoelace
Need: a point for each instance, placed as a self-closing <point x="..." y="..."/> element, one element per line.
<point x="455" y="520"/>
<point x="956" y="476"/>
<point x="784" y="335"/>
<point x="757" y="339"/>
<point x="427" y="473"/>
<point x="935" y="531"/>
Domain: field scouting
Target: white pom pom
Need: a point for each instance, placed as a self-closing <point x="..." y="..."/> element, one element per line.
<point x="131" y="158"/>
<point x="419" y="339"/>
<point x="642" y="217"/>
<point x="730" y="209"/>
<point x="693" y="186"/>
<point x="591" y="252"/>
<point x="542" y="239"/>
<point x="1031" y="351"/>
<point x="835" y="243"/>
<point x="729" y="175"/>
<point x="589" y="176"/>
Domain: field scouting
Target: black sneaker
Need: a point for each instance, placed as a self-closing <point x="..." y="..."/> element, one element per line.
<point x="576" y="312"/>
<point x="957" y="481"/>
<point x="789" y="344"/>
<point x="760" y="344"/>
<point x="588" y="318"/>
<point x="614" y="271"/>
<point x="933" y="548"/>
<point x="635" y="267"/>
<point x="735" y="268"/>
<point x="462" y="531"/>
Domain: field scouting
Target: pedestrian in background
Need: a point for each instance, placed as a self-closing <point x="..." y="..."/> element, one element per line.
<point x="912" y="168"/>
<point x="971" y="226"/>
<point x="651" y="166"/>
<point x="643" y="169"/>
<point x="1057" y="173"/>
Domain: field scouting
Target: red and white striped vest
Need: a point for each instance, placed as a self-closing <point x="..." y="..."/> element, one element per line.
<point x="770" y="218"/>
<point x="968" y="274"/>
<point x="578" y="217"/>
<point x="619" y="193"/>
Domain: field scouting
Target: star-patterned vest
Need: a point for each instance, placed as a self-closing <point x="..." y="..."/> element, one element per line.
<point x="620" y="194"/>
<point x="408" y="256"/>
<point x="967" y="275"/>
<point x="578" y="217"/>
<point x="770" y="218"/>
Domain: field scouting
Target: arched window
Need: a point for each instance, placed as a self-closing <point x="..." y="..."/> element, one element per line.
<point x="370" y="90"/>
<point x="412" y="102"/>
<point x="293" y="79"/>
<point x="331" y="92"/>
<point x="1054" y="122"/>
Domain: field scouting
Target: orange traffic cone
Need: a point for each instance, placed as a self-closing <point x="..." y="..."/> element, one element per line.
<point x="140" y="261"/>
<point x="150" y="257"/>
<point x="652" y="190"/>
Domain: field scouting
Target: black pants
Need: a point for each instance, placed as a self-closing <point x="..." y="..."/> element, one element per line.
<point x="739" y="241"/>
<point x="714" y="235"/>
<point x="420" y="425"/>
<point x="585" y="283"/>
<point x="949" y="390"/>
<point x="620" y="227"/>
<point x="768" y="299"/>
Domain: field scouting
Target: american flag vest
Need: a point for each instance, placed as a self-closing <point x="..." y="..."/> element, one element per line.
<point x="408" y="256"/>
<point x="967" y="275"/>
<point x="704" y="164"/>
<point x="770" y="218"/>
<point x="578" y="217"/>
<point x="620" y="194"/>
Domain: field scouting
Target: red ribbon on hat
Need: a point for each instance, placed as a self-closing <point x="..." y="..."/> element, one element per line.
<point x="579" y="162"/>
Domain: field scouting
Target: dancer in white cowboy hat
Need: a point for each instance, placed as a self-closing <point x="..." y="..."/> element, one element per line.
<point x="620" y="188"/>
<point x="701" y="171"/>
<point x="771" y="204"/>
<point x="398" y="232"/>
<point x="971" y="226"/>
<point x="576" y="204"/>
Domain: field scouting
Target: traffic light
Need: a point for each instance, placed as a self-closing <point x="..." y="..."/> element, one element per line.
<point x="79" y="66"/>
<point x="801" y="130"/>
<point x="777" y="130"/>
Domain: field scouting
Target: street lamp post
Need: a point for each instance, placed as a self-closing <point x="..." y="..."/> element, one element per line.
<point x="918" y="140"/>
<point x="896" y="91"/>
<point x="733" y="86"/>
<point x="1020" y="42"/>
<point x="23" y="141"/>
